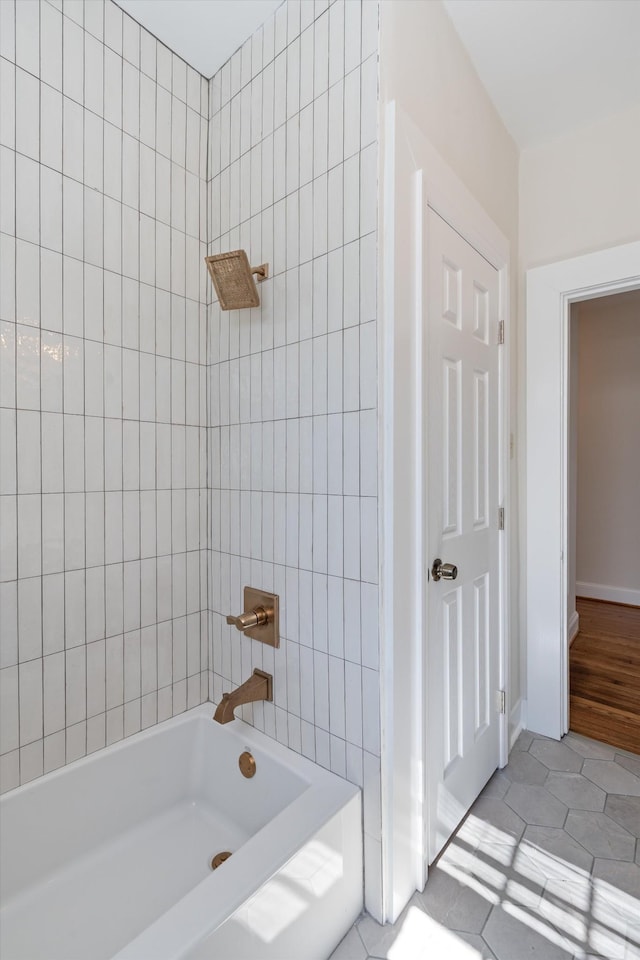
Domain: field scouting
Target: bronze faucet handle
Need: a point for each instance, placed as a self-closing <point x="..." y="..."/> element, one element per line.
<point x="245" y="621"/>
<point x="260" y="618"/>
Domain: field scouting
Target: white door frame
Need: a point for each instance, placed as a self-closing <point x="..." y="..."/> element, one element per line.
<point x="408" y="186"/>
<point x="550" y="292"/>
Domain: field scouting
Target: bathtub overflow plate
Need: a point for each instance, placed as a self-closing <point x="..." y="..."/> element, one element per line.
<point x="247" y="764"/>
<point x="220" y="858"/>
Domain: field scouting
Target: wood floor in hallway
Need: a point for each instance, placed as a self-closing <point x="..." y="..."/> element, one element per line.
<point x="605" y="674"/>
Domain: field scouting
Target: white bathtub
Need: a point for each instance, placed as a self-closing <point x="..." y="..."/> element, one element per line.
<point x="109" y="857"/>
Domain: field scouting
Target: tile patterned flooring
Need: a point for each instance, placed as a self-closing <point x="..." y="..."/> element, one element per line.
<point x="546" y="866"/>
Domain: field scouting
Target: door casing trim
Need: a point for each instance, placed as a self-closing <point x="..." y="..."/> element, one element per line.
<point x="550" y="291"/>
<point x="410" y="185"/>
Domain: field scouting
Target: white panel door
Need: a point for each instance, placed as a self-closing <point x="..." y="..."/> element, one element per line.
<point x="463" y="735"/>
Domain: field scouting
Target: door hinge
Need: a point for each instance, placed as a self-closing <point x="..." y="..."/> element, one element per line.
<point x="500" y="518"/>
<point x="502" y="701"/>
<point x="501" y="331"/>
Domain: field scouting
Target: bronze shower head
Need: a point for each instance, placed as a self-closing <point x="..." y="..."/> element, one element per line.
<point x="232" y="277"/>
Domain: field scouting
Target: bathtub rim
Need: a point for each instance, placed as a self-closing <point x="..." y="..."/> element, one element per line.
<point x="301" y="766"/>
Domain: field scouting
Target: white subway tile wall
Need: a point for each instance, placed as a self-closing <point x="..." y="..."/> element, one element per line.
<point x="119" y="170"/>
<point x="103" y="503"/>
<point x="293" y="385"/>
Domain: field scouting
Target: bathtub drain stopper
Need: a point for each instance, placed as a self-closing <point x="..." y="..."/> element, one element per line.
<point x="220" y="858"/>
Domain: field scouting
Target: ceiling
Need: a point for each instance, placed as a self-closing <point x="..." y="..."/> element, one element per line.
<point x="550" y="65"/>
<point x="205" y="33"/>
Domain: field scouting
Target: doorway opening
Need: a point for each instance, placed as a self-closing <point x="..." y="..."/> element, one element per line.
<point x="551" y="290"/>
<point x="604" y="521"/>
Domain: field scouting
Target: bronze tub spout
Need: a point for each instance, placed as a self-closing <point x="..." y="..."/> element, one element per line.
<point x="259" y="686"/>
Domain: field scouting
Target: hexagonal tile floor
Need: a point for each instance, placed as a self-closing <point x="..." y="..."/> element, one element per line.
<point x="546" y="866"/>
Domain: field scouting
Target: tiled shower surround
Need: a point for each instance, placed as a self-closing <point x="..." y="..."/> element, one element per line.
<point x="103" y="386"/>
<point x="293" y="383"/>
<point x="128" y="527"/>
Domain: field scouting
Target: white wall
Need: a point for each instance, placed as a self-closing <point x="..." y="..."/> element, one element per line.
<point x="293" y="438"/>
<point x="608" y="418"/>
<point x="427" y="71"/>
<point x="581" y="192"/>
<point x="102" y="421"/>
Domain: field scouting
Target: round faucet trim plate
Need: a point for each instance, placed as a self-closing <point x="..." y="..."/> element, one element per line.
<point x="247" y="764"/>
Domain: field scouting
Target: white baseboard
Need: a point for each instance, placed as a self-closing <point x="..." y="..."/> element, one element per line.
<point x="601" y="591"/>
<point x="517" y="721"/>
<point x="574" y="626"/>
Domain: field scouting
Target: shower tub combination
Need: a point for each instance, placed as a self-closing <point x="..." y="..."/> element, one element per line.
<point x="110" y="857"/>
